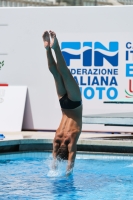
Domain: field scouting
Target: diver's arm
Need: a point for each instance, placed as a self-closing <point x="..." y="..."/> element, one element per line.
<point x="55" y="148"/>
<point x="72" y="148"/>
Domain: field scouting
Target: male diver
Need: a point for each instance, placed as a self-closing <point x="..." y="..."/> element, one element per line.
<point x="67" y="134"/>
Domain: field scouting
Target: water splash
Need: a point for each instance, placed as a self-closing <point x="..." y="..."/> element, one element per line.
<point x="56" y="168"/>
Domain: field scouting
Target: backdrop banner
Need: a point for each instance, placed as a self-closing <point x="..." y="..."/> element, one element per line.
<point x="97" y="45"/>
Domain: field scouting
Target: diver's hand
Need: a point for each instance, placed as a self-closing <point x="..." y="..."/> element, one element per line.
<point x="55" y="164"/>
<point x="69" y="172"/>
<point x="69" y="168"/>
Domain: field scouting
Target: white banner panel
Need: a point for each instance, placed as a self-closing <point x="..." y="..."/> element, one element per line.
<point x="97" y="44"/>
<point x="12" y="104"/>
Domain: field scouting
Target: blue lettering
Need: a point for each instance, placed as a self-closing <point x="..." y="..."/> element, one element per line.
<point x="78" y="71"/>
<point x="103" y="71"/>
<point x="73" y="71"/>
<point x="87" y="54"/>
<point x="100" y="89"/>
<point x="129" y="70"/>
<point x="95" y="81"/>
<point x="84" y="71"/>
<point x="68" y="56"/>
<point x="128" y="45"/>
<point x="113" y="81"/>
<point x="114" y="95"/>
<point x="92" y="93"/>
<point x="81" y="81"/>
<point x="89" y="71"/>
<point x="110" y="71"/>
<point x="89" y="80"/>
<point x="104" y="81"/>
<point x="95" y="71"/>
<point x="115" y="71"/>
<point x="126" y="55"/>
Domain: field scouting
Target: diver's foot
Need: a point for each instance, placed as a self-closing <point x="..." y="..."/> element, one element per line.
<point x="54" y="42"/>
<point x="46" y="40"/>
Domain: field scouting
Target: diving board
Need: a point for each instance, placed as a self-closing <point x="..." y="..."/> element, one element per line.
<point x="110" y="119"/>
<point x="121" y="101"/>
<point x="119" y="119"/>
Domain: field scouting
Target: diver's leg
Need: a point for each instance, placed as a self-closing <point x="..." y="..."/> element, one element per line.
<point x="71" y="86"/>
<point x="53" y="68"/>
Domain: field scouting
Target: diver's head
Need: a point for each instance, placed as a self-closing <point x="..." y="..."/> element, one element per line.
<point x="62" y="153"/>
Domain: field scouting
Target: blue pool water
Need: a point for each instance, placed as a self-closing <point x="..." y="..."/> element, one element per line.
<point x="95" y="177"/>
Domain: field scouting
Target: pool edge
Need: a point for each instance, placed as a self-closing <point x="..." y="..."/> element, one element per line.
<point x="91" y="145"/>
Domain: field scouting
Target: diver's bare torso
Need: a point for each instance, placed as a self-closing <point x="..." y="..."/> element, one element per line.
<point x="69" y="129"/>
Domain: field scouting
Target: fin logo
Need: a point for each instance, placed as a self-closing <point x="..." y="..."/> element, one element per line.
<point x="71" y="50"/>
<point x="88" y="50"/>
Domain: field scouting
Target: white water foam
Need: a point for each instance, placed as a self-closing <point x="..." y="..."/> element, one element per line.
<point x="56" y="168"/>
<point x="130" y="165"/>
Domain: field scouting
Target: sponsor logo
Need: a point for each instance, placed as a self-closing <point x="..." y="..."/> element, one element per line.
<point x="74" y="50"/>
<point x="71" y="50"/>
<point x="94" y="66"/>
